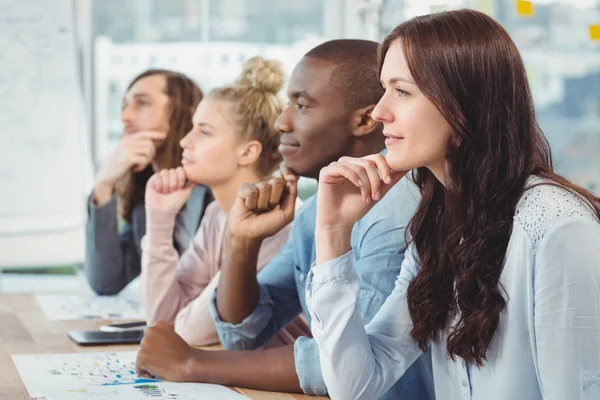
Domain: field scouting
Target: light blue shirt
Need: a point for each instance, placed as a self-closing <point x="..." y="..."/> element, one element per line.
<point x="378" y="240"/>
<point x="546" y="346"/>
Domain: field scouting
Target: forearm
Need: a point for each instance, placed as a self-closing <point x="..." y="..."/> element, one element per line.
<point x="111" y="256"/>
<point x="238" y="292"/>
<point x="271" y="370"/>
<point x="194" y="322"/>
<point x="161" y="292"/>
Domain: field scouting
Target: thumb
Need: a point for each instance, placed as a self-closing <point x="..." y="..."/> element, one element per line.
<point x="289" y="204"/>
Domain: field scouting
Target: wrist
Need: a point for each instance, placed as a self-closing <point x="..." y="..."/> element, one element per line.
<point x="195" y="367"/>
<point x="243" y="243"/>
<point x="158" y="221"/>
<point x="103" y="192"/>
<point x="332" y="241"/>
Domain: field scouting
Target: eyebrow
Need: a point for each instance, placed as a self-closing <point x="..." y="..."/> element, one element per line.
<point x="301" y="93"/>
<point x="139" y="95"/>
<point x="395" y="80"/>
<point x="201" y="124"/>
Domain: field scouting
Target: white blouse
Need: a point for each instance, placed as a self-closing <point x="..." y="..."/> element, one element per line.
<point x="546" y="346"/>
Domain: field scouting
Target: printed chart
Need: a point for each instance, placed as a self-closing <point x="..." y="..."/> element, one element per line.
<point x="104" y="376"/>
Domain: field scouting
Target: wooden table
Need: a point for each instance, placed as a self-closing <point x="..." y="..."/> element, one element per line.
<point x="25" y="330"/>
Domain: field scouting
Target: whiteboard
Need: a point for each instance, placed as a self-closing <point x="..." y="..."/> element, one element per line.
<point x="42" y="133"/>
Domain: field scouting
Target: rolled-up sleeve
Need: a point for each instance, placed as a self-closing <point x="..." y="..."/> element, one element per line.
<point x="278" y="304"/>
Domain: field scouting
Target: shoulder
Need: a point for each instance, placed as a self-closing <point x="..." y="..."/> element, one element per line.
<point x="544" y="206"/>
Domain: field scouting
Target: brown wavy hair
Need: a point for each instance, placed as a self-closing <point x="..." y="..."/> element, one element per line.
<point x="184" y="96"/>
<point x="466" y="64"/>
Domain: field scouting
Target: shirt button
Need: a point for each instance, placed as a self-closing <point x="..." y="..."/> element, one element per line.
<point x="464" y="383"/>
<point x="301" y="277"/>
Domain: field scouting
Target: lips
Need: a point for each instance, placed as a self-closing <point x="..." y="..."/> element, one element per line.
<point x="287" y="149"/>
<point x="185" y="160"/>
<point x="287" y="146"/>
<point x="391" y="139"/>
<point x="285" y="140"/>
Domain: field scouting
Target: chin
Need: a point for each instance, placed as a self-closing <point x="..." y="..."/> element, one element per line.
<point x="298" y="169"/>
<point x="399" y="162"/>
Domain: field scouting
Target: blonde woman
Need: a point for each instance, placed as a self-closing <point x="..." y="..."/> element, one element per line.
<point x="233" y="141"/>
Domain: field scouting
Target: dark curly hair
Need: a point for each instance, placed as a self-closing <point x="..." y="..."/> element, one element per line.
<point x="466" y="64"/>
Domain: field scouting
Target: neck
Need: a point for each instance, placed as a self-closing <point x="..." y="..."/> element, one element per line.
<point x="225" y="193"/>
<point x="439" y="171"/>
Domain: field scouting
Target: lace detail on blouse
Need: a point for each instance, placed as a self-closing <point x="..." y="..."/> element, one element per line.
<point x="545" y="205"/>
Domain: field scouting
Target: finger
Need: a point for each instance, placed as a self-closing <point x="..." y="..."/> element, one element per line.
<point x="149" y="148"/>
<point x="139" y="162"/>
<point x="382" y="166"/>
<point x="164" y="176"/>
<point x="249" y="193"/>
<point x="264" y="194"/>
<point x="144" y="151"/>
<point x="343" y="170"/>
<point x="139" y="365"/>
<point x="289" y="200"/>
<point x="288" y="174"/>
<point x="152" y="182"/>
<point x="365" y="182"/>
<point x="173" y="180"/>
<point x="145" y="374"/>
<point x="277" y="185"/>
<point x="153" y="135"/>
<point x="181" y="177"/>
<point x="157" y="181"/>
<point x="373" y="176"/>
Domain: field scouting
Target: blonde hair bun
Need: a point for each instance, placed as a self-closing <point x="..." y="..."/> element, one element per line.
<point x="265" y="75"/>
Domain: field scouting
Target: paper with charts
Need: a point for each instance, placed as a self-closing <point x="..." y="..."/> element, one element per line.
<point x="65" y="307"/>
<point x="104" y="376"/>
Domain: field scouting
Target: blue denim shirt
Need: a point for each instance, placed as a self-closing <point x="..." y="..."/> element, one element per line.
<point x="378" y="245"/>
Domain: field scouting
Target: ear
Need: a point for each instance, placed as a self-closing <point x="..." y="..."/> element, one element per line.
<point x="249" y="152"/>
<point x="361" y="122"/>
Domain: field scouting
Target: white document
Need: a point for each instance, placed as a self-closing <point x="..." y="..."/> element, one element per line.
<point x="157" y="391"/>
<point x="66" y="307"/>
<point x="104" y="376"/>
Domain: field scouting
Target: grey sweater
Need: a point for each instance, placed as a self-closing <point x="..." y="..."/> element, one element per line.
<point x="113" y="256"/>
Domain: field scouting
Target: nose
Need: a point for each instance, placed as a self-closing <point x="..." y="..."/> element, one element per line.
<point x="382" y="112"/>
<point x="185" y="141"/>
<point x="283" y="123"/>
<point x="127" y="114"/>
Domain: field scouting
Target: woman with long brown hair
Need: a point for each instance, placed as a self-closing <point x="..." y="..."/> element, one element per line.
<point x="156" y="114"/>
<point x="502" y="275"/>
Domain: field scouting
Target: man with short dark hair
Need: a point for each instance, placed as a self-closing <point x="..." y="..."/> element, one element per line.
<point x="332" y="92"/>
